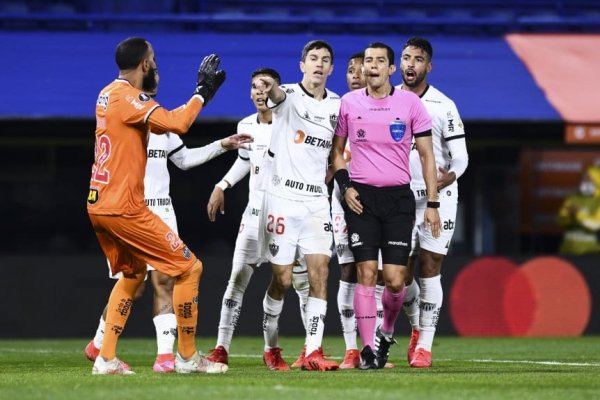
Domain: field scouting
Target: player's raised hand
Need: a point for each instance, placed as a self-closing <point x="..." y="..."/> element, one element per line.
<point x="239" y="140"/>
<point x="216" y="202"/>
<point x="265" y="84"/>
<point x="209" y="78"/>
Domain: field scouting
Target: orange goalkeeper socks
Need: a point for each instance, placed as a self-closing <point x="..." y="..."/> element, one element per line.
<point x="119" y="306"/>
<point x="185" y="304"/>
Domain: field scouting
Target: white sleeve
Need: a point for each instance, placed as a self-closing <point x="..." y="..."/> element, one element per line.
<point x="458" y="151"/>
<point x="283" y="104"/>
<point x="454" y="134"/>
<point x="185" y="158"/>
<point x="238" y="170"/>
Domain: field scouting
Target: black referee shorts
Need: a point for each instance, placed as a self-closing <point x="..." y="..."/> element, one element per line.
<point x="386" y="223"/>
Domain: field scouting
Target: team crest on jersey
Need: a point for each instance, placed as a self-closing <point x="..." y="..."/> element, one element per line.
<point x="397" y="130"/>
<point x="144" y="97"/>
<point x="92" y="196"/>
<point x="276" y="180"/>
<point x="103" y="101"/>
<point x="273" y="249"/>
<point x="333" y="118"/>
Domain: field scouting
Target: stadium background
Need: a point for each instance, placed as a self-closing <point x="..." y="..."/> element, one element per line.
<point x="522" y="75"/>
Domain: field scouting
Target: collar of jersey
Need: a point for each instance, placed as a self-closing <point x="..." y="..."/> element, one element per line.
<point x="310" y="94"/>
<point x="391" y="91"/>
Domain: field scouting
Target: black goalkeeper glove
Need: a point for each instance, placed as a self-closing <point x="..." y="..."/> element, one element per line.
<point x="209" y="78"/>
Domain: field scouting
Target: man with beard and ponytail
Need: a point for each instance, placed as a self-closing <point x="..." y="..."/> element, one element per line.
<point x="380" y="122"/>
<point x="132" y="236"/>
<point x="423" y="302"/>
<point x="156" y="192"/>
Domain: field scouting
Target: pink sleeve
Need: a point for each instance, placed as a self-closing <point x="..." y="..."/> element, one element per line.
<point x="341" y="128"/>
<point x="421" y="121"/>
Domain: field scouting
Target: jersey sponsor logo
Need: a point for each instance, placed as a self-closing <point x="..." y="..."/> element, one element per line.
<point x="302" y="137"/>
<point x="303" y="186"/>
<point x="448" y="225"/>
<point x="379" y="109"/>
<point x="273" y="249"/>
<point x="255" y="211"/>
<point x="299" y="138"/>
<point x="134" y="102"/>
<point x="103" y="100"/>
<point x="433" y="101"/>
<point x="397" y="129"/>
<point x="327" y="227"/>
<point x="306" y="115"/>
<point x="158" y="202"/>
<point x="397" y="243"/>
<point x="144" y="97"/>
<point x="152" y="153"/>
<point x="450" y="125"/>
<point x="92" y="196"/>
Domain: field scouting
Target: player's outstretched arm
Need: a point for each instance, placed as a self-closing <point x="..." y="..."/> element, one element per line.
<point x="269" y="86"/>
<point x="216" y="202"/>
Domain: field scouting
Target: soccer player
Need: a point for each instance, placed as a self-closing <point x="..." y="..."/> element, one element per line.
<point x="380" y="121"/>
<point x="132" y="236"/>
<point x="424" y="301"/>
<point x="296" y="219"/>
<point x="156" y="191"/>
<point x="247" y="256"/>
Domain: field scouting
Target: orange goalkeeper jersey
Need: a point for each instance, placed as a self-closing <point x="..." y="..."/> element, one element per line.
<point x="124" y="117"/>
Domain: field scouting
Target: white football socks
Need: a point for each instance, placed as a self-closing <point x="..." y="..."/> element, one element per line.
<point x="99" y="337"/>
<point x="272" y="309"/>
<point x="411" y="304"/>
<point x="231" y="307"/>
<point x="431" y="300"/>
<point x="316" y="309"/>
<point x="345" y="300"/>
<point x="378" y="295"/>
<point x="166" y="330"/>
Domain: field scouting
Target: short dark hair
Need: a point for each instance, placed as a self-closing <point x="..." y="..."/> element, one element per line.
<point x="267" y="71"/>
<point x="356" y="55"/>
<point x="130" y="52"/>
<point x="316" y="44"/>
<point x="420" y="43"/>
<point x="389" y="50"/>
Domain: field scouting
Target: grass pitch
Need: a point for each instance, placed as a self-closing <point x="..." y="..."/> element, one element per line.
<point x="464" y="368"/>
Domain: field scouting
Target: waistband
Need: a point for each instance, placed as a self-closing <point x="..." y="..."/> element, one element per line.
<point x="404" y="187"/>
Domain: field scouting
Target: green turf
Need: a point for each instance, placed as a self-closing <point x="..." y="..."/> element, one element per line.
<point x="464" y="368"/>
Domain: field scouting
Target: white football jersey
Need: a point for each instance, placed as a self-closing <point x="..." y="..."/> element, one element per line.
<point x="446" y="126"/>
<point x="157" y="179"/>
<point x="261" y="133"/>
<point x="301" y="142"/>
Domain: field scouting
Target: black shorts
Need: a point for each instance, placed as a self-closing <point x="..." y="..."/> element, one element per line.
<point x="386" y="223"/>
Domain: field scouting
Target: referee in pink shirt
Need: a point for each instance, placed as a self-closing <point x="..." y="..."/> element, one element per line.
<point x="379" y="205"/>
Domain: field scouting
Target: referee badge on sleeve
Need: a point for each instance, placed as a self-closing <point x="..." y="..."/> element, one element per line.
<point x="397" y="129"/>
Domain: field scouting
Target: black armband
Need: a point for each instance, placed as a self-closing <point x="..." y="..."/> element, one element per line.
<point x="433" y="204"/>
<point x="342" y="177"/>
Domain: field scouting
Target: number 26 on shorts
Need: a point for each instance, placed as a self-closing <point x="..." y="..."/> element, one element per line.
<point x="275" y="224"/>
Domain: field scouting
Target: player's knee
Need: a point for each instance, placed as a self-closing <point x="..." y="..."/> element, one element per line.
<point x="348" y="272"/>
